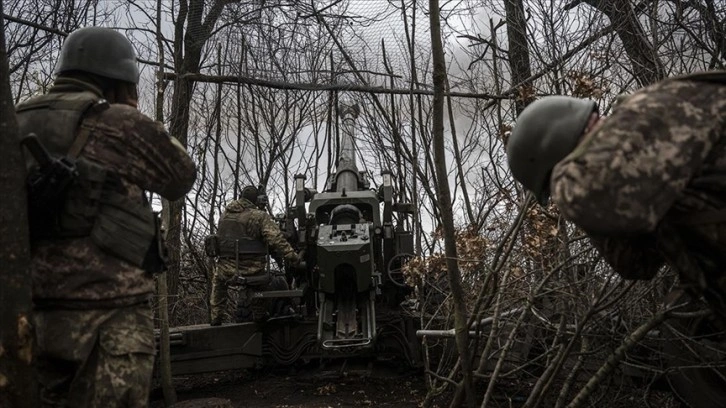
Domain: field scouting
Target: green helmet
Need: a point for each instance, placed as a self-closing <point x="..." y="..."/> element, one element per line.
<point x="546" y="131"/>
<point x="250" y="193"/>
<point x="101" y="51"/>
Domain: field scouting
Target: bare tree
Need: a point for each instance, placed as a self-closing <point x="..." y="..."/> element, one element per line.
<point x="17" y="380"/>
<point x="646" y="65"/>
<point x="192" y="30"/>
<point x="37" y="30"/>
<point x="444" y="200"/>
<point x="539" y="310"/>
<point x="518" y="52"/>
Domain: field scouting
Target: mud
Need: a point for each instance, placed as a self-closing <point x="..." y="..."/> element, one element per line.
<point x="309" y="389"/>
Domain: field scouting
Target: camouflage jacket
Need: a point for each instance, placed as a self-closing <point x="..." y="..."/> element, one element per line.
<point x="259" y="225"/>
<point x="75" y="272"/>
<point x="657" y="160"/>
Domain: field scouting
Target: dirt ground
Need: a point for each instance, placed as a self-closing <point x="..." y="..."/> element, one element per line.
<point x="309" y="389"/>
<point x="312" y="388"/>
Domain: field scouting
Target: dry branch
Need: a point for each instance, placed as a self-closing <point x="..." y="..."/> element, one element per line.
<point x="234" y="79"/>
<point x="616" y="357"/>
<point x="56" y="31"/>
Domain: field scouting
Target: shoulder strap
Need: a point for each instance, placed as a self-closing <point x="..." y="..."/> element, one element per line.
<point x="81" y="139"/>
<point x="84" y="132"/>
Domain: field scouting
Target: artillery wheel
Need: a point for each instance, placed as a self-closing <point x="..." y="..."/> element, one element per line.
<point x="395" y="269"/>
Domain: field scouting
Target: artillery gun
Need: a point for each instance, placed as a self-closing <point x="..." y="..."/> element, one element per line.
<point x="353" y="249"/>
<point x="346" y="294"/>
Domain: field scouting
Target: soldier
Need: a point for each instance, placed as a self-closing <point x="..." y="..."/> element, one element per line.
<point x="94" y="243"/>
<point x="647" y="183"/>
<point x="244" y="234"/>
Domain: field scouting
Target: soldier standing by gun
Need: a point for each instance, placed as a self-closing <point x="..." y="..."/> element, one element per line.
<point x="93" y="232"/>
<point x="243" y="237"/>
<point x="647" y="183"/>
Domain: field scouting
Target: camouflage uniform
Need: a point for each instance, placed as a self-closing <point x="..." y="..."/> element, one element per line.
<point x="649" y="184"/>
<point x="107" y="356"/>
<point x="93" y="317"/>
<point x="258" y="226"/>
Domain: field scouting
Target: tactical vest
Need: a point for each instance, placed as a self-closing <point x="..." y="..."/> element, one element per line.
<point x="234" y="240"/>
<point x="93" y="205"/>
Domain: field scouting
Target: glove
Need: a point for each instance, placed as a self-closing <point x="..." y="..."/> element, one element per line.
<point x="299" y="258"/>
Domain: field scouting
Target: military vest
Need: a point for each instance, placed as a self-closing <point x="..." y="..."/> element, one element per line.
<point x="234" y="239"/>
<point x="93" y="204"/>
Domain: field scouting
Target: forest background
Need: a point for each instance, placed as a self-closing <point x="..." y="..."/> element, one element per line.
<point x="253" y="90"/>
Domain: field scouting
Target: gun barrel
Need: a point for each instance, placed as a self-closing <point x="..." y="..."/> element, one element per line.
<point x="347" y="177"/>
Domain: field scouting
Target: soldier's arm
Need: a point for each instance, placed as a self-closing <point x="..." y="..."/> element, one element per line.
<point x="147" y="155"/>
<point x="632" y="258"/>
<point x="625" y="176"/>
<point x="272" y="235"/>
<point x="183" y="172"/>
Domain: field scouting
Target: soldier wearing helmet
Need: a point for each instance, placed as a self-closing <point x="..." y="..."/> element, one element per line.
<point x="647" y="183"/>
<point x="93" y="245"/>
<point x="245" y="236"/>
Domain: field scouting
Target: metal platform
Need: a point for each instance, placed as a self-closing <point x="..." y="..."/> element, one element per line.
<point x="204" y="348"/>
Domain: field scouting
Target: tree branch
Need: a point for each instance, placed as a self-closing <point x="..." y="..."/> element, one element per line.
<point x="232" y="79"/>
<point x="60" y="33"/>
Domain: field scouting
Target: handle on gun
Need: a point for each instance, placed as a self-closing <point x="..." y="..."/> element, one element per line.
<point x="37" y="150"/>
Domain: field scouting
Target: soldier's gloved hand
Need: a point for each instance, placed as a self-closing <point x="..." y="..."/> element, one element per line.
<point x="300" y="257"/>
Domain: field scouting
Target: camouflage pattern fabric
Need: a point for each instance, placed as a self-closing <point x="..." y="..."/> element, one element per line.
<point x="73" y="272"/>
<point x="658" y="158"/>
<point x="94" y="328"/>
<point x="260" y="226"/>
<point x="95" y="358"/>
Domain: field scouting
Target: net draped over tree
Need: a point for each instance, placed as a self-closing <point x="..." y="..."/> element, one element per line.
<point x="253" y="88"/>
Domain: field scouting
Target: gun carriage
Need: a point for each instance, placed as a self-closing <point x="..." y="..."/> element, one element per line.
<point x="346" y="293"/>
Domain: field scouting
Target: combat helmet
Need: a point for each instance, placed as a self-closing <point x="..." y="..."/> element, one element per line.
<point x="101" y="51"/>
<point x="250" y="194"/>
<point x="546" y="131"/>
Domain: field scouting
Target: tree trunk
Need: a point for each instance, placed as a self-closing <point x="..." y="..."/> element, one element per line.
<point x="191" y="32"/>
<point x="167" y="385"/>
<point x="17" y="382"/>
<point x="647" y="67"/>
<point x="518" y="52"/>
<point x="445" y="206"/>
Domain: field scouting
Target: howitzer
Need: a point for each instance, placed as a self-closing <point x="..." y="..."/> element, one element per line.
<point x="347" y="293"/>
<point x="351" y="249"/>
